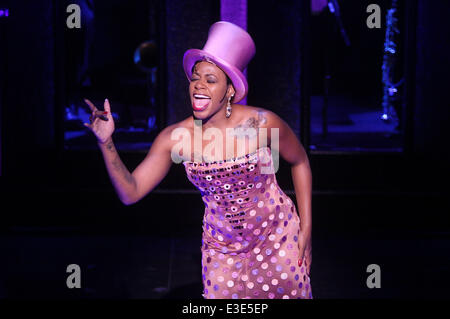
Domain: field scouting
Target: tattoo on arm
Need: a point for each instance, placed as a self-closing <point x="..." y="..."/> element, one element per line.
<point x="118" y="164"/>
<point x="261" y="118"/>
<point x="251" y="123"/>
<point x="254" y="122"/>
<point x="110" y="146"/>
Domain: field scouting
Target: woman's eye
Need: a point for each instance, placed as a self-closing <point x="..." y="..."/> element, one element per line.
<point x="209" y="81"/>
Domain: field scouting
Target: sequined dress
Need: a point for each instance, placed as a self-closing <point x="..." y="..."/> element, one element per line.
<point x="250" y="230"/>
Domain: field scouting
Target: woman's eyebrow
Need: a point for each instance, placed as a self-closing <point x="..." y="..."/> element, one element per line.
<point x="195" y="72"/>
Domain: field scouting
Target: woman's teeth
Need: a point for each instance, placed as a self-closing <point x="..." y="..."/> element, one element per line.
<point x="200" y="102"/>
<point x="201" y="96"/>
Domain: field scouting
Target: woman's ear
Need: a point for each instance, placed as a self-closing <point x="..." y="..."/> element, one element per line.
<point x="231" y="91"/>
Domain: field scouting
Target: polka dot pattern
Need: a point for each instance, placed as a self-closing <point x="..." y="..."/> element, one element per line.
<point x="250" y="231"/>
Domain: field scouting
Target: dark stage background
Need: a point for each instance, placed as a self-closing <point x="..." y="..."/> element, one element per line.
<point x="380" y="190"/>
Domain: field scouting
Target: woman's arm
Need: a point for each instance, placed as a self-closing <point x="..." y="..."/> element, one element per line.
<point x="131" y="187"/>
<point x="302" y="178"/>
<point x="294" y="153"/>
<point x="123" y="182"/>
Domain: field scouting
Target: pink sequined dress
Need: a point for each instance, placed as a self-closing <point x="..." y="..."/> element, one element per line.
<point x="250" y="230"/>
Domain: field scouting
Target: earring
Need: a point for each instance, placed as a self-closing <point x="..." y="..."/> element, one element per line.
<point x="228" y="109"/>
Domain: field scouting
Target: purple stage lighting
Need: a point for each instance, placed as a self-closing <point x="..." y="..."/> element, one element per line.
<point x="4" y="13"/>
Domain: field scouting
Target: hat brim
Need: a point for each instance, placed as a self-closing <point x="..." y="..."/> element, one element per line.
<point x="236" y="76"/>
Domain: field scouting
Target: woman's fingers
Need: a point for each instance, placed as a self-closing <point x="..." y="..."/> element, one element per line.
<point x="308" y="261"/>
<point x="301" y="255"/>
<point x="98" y="120"/>
<point x="96" y="113"/>
<point x="305" y="257"/>
<point x="91" y="105"/>
<point x="100" y="114"/>
<point x="305" y="260"/>
<point x="107" y="106"/>
<point x="305" y="249"/>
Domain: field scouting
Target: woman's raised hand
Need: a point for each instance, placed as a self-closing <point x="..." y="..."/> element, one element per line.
<point x="102" y="122"/>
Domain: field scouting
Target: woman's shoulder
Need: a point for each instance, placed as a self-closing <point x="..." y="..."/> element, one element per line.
<point x="183" y="124"/>
<point x="169" y="133"/>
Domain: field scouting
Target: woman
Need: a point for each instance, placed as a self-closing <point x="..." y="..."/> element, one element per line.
<point x="254" y="245"/>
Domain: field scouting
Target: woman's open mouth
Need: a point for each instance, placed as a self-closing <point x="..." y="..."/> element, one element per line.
<point x="200" y="102"/>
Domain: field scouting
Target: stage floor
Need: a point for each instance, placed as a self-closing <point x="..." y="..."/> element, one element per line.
<point x="155" y="267"/>
<point x="152" y="250"/>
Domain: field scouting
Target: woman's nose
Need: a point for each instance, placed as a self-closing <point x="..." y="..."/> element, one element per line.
<point x="199" y="84"/>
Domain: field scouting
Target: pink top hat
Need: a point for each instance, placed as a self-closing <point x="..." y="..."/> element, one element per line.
<point x="231" y="48"/>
